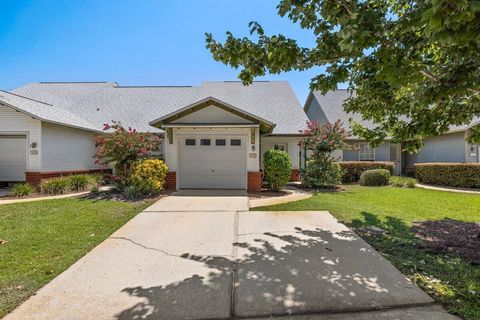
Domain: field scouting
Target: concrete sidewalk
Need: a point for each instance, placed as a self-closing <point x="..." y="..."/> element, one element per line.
<point x="216" y="264"/>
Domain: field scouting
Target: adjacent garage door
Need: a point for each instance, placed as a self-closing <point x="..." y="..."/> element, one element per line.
<point x="13" y="157"/>
<point x="212" y="162"/>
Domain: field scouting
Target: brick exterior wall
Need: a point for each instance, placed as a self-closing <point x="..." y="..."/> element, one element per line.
<point x="33" y="177"/>
<point x="36" y="178"/>
<point x="171" y="181"/>
<point x="254" y="181"/>
<point x="295" y="175"/>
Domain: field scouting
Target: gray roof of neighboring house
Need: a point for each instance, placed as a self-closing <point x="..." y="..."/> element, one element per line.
<point x="90" y="105"/>
<point x="332" y="106"/>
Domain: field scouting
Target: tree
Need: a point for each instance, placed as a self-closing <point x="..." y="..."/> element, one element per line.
<point x="414" y="65"/>
<point x="322" y="140"/>
<point x="123" y="148"/>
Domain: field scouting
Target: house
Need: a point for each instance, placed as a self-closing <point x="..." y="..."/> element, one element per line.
<point x="449" y="147"/>
<point x="213" y="135"/>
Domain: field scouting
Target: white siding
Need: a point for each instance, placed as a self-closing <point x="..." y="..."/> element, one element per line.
<point x="66" y="148"/>
<point x="292" y="147"/>
<point x="211" y="114"/>
<point x="14" y="122"/>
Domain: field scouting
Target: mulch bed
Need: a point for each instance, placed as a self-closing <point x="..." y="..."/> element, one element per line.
<point x="265" y="193"/>
<point x="118" y="196"/>
<point x="450" y="236"/>
<point x="323" y="190"/>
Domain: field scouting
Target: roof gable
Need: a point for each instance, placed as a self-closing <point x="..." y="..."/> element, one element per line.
<point x="220" y="112"/>
<point x="212" y="114"/>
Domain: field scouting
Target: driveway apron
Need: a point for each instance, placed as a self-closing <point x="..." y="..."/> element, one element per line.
<point x="202" y="255"/>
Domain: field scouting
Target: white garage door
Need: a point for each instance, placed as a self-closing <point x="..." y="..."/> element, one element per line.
<point x="13" y="157"/>
<point x="212" y="162"/>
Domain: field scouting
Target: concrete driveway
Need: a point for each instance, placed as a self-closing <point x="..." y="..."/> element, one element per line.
<point x="197" y="255"/>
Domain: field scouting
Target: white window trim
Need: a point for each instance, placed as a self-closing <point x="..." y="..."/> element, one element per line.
<point x="371" y="154"/>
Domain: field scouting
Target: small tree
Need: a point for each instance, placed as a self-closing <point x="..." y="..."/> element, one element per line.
<point x="322" y="140"/>
<point x="123" y="147"/>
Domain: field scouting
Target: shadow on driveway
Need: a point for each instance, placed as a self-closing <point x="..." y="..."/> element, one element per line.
<point x="286" y="270"/>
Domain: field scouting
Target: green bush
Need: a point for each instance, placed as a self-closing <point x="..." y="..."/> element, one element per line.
<point x="321" y="174"/>
<point x="148" y="175"/>
<point x="81" y="182"/>
<point x="100" y="179"/>
<point x="55" y="185"/>
<point x="22" y="189"/>
<point x="132" y="192"/>
<point x="462" y="175"/>
<point x="277" y="169"/>
<point x="352" y="170"/>
<point x="375" y="177"/>
<point x="402" y="182"/>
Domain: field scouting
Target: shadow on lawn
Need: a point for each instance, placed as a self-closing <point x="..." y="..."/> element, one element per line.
<point x="282" y="272"/>
<point x="440" y="236"/>
<point x="440" y="256"/>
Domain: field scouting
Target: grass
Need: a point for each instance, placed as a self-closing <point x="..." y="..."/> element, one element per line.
<point x="46" y="237"/>
<point x="448" y="278"/>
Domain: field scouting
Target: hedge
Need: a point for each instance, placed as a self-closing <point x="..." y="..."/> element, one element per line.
<point x="462" y="175"/>
<point x="375" y="177"/>
<point x="352" y="170"/>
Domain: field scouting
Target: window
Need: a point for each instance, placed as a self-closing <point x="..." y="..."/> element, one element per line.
<point x="280" y="146"/>
<point x="190" y="142"/>
<point x="204" y="142"/>
<point x="365" y="152"/>
<point x="235" y="142"/>
<point x="220" y="142"/>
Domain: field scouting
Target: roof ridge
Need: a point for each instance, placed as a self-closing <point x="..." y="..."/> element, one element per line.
<point x="24" y="97"/>
<point x="166" y="86"/>
<point x="71" y="82"/>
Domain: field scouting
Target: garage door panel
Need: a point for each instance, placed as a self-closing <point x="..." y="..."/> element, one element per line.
<point x="212" y="166"/>
<point x="13" y="158"/>
<point x="218" y="182"/>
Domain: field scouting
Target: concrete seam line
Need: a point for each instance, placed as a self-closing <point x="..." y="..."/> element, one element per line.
<point x="234" y="263"/>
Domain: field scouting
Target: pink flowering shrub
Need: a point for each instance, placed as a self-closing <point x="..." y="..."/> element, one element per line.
<point x="322" y="140"/>
<point x="122" y="148"/>
<point x="321" y="170"/>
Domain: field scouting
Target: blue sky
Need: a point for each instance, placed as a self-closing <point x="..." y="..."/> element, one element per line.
<point x="155" y="42"/>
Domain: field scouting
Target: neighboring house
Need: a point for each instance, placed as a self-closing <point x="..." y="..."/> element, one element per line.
<point x="450" y="147"/>
<point x="214" y="134"/>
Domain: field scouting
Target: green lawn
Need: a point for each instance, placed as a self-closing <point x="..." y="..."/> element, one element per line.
<point x="450" y="279"/>
<point x="46" y="237"/>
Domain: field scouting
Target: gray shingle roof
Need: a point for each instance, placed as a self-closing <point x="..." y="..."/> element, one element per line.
<point x="90" y="105"/>
<point x="44" y="111"/>
<point x="332" y="106"/>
